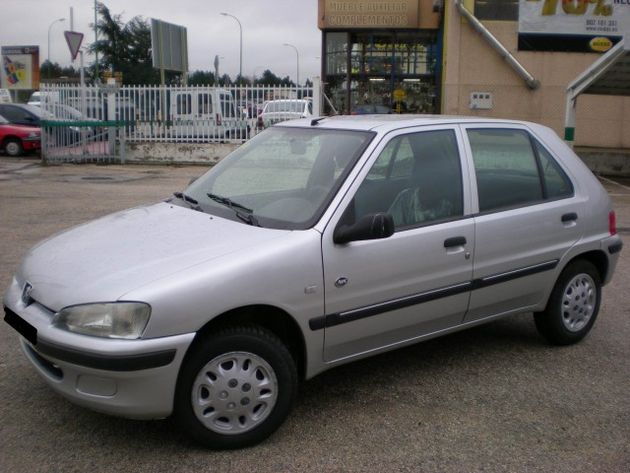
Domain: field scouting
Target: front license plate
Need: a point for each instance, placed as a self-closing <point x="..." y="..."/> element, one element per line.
<point x="22" y="326"/>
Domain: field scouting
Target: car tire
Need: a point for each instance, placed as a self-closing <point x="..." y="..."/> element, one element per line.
<point x="236" y="387"/>
<point x="13" y="147"/>
<point x="573" y="305"/>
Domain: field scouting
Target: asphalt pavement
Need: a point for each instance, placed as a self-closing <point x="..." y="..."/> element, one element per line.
<point x="495" y="398"/>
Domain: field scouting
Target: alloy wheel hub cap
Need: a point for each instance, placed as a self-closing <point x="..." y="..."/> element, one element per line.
<point x="578" y="302"/>
<point x="234" y="393"/>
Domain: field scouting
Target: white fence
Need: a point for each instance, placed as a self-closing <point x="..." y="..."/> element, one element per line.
<point x="172" y="113"/>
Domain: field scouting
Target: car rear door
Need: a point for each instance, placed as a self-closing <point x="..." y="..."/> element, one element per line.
<point x="182" y="113"/>
<point x="381" y="293"/>
<point x="205" y="114"/>
<point x="527" y="218"/>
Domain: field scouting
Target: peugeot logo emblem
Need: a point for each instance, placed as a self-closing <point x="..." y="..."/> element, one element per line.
<point x="26" y="294"/>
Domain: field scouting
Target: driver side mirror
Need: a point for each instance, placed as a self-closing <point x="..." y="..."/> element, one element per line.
<point x="370" y="227"/>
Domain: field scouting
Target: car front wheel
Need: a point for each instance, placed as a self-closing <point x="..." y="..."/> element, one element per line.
<point x="236" y="388"/>
<point x="573" y="305"/>
<point x="13" y="147"/>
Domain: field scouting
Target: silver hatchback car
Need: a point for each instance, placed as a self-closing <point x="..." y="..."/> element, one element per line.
<point x="318" y="242"/>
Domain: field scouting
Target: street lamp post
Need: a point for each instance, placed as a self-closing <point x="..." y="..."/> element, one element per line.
<point x="49" y="28"/>
<point x="297" y="55"/>
<point x="240" y="27"/>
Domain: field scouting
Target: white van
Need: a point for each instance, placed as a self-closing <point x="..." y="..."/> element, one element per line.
<point x="5" y="96"/>
<point x="206" y="113"/>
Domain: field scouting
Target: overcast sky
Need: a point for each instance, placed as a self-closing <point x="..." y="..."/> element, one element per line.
<point x="267" y="24"/>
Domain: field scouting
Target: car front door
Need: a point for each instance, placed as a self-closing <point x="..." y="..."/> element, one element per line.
<point x="528" y="218"/>
<point x="385" y="292"/>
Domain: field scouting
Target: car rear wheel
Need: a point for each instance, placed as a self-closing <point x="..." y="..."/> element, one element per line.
<point x="236" y="388"/>
<point x="573" y="305"/>
<point x="13" y="147"/>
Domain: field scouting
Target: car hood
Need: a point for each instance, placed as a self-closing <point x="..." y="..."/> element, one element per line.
<point x="106" y="258"/>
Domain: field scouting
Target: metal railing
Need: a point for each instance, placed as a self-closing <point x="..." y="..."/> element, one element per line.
<point x="173" y="113"/>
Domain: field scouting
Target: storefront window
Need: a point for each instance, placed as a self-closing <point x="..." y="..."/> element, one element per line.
<point x="390" y="71"/>
<point x="336" y="53"/>
<point x="496" y="10"/>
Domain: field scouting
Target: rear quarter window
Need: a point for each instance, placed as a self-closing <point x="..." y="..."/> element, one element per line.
<point x="557" y="183"/>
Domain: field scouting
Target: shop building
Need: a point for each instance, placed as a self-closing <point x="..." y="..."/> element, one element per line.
<point x="424" y="56"/>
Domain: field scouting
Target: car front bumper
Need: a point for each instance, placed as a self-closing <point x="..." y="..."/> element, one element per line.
<point x="128" y="378"/>
<point x="30" y="144"/>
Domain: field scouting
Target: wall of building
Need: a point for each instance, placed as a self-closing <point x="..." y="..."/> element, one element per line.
<point x="473" y="66"/>
<point x="177" y="153"/>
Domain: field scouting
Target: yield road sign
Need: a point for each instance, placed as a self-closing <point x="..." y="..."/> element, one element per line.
<point x="74" y="40"/>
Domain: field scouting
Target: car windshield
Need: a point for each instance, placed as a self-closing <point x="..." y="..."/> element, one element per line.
<point x="65" y="112"/>
<point x="284" y="176"/>
<point x="34" y="110"/>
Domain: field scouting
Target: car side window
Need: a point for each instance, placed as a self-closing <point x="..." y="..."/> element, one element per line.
<point x="184" y="106"/>
<point x="506" y="168"/>
<point x="204" y="104"/>
<point x="557" y="183"/>
<point x="13" y="114"/>
<point x="417" y="179"/>
<point x="227" y="106"/>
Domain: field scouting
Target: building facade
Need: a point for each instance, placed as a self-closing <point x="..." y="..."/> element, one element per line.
<point x="423" y="56"/>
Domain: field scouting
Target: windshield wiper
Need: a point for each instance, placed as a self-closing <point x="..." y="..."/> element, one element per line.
<point x="247" y="218"/>
<point x="187" y="198"/>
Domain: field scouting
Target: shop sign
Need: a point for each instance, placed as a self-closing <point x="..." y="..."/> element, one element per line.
<point x="20" y="68"/>
<point x="370" y="14"/>
<point x="572" y="25"/>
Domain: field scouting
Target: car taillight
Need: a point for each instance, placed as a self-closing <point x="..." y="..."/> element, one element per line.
<point x="612" y="223"/>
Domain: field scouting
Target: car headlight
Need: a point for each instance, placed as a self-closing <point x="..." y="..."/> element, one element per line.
<point x="111" y="320"/>
<point x="33" y="134"/>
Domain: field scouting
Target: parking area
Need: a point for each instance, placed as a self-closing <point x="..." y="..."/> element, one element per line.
<point x="494" y="398"/>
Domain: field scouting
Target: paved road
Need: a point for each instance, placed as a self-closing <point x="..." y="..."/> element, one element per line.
<point x="493" y="398"/>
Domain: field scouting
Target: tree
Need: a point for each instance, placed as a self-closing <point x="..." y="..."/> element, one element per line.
<point x="269" y="78"/>
<point x="225" y="80"/>
<point x="53" y="71"/>
<point x="49" y="70"/>
<point x="201" y="78"/>
<point x="125" y="48"/>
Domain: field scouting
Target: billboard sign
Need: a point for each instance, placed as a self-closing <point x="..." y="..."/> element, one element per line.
<point x="169" y="45"/>
<point x="572" y="25"/>
<point x="20" y="67"/>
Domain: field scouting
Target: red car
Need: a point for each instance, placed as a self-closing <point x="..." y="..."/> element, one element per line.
<point x="15" y="140"/>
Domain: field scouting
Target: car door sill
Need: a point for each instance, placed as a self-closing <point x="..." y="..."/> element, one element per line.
<point x="427" y="336"/>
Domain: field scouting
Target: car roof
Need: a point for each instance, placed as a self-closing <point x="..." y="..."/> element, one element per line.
<point x="385" y="123"/>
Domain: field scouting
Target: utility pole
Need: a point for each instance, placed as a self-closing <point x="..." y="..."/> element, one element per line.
<point x="96" y="78"/>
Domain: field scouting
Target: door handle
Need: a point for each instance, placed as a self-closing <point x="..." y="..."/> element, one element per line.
<point x="569" y="217"/>
<point x="454" y="241"/>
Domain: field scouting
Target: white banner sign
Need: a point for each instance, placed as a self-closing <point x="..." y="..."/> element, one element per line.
<point x="574" y="17"/>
